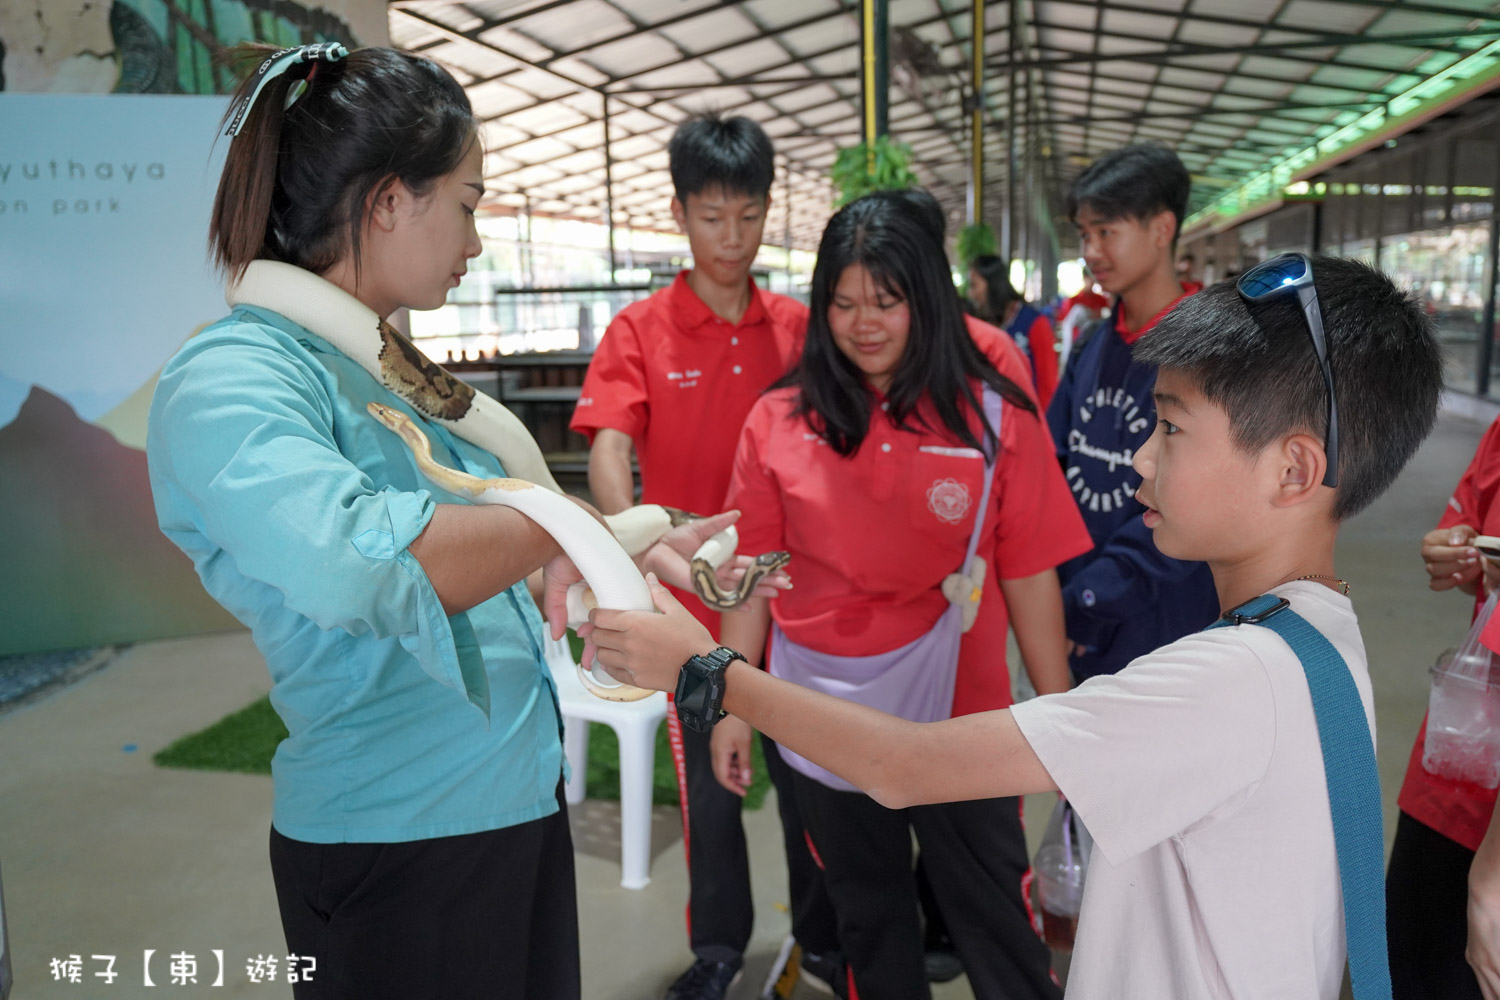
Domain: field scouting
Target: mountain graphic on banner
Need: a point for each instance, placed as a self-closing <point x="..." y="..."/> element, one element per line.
<point x="85" y="563"/>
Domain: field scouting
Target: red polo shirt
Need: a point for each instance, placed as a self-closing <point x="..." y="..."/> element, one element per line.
<point x="1003" y="352"/>
<point x="679" y="380"/>
<point x="873" y="536"/>
<point x="1459" y="810"/>
<point x="1131" y="336"/>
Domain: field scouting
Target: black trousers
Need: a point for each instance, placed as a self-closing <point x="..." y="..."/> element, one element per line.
<point x="720" y="913"/>
<point x="484" y="916"/>
<point x="1427" y="915"/>
<point x="975" y="856"/>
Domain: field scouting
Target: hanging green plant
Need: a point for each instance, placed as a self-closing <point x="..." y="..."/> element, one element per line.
<point x="976" y="240"/>
<point x="856" y="172"/>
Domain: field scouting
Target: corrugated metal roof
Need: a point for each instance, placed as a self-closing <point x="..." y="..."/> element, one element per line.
<point x="1232" y="85"/>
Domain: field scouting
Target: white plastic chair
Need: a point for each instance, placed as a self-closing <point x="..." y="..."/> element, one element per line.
<point x="635" y="725"/>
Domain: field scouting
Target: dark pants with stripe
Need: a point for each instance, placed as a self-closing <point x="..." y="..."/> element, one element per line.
<point x="720" y="912"/>
<point x="974" y="854"/>
<point x="1427" y="915"/>
<point x="484" y="916"/>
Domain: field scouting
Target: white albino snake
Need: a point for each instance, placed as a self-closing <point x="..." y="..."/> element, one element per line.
<point x="605" y="561"/>
<point x="611" y="574"/>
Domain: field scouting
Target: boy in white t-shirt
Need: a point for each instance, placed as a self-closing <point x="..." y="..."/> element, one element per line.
<point x="1197" y="768"/>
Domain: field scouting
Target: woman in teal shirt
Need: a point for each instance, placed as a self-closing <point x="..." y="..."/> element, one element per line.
<point x="420" y="844"/>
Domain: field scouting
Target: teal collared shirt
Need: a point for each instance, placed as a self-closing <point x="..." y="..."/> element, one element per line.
<point x="297" y="509"/>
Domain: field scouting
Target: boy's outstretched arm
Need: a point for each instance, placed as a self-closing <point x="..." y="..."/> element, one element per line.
<point x="898" y="763"/>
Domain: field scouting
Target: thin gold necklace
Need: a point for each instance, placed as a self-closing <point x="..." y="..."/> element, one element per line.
<point x="1343" y="585"/>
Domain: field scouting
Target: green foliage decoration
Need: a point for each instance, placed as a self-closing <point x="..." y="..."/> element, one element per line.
<point x="976" y="240"/>
<point x="856" y="172"/>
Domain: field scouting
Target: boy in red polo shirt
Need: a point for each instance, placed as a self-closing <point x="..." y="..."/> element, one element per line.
<point x="673" y="379"/>
<point x="1124" y="598"/>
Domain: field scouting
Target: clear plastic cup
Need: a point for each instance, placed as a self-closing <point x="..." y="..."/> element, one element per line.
<point x="1059" y="882"/>
<point x="1463" y="720"/>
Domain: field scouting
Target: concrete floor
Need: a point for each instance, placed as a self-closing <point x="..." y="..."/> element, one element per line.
<point x="102" y="853"/>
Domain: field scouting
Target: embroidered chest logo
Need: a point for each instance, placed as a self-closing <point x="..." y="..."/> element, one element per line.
<point x="949" y="499"/>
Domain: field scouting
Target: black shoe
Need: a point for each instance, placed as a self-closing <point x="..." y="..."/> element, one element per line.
<point x="705" y="980"/>
<point x="941" y="965"/>
<point x="826" y="972"/>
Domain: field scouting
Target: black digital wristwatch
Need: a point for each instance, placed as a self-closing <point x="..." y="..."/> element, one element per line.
<point x="700" y="689"/>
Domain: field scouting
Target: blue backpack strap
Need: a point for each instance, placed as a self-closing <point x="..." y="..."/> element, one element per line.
<point x="1353" y="786"/>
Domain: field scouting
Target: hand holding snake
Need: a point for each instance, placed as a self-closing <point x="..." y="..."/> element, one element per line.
<point x="605" y="575"/>
<point x="664" y="536"/>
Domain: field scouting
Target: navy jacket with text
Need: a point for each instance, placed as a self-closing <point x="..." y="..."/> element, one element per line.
<point x="1123" y="598"/>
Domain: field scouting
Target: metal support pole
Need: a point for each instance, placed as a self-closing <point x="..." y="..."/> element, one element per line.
<point x="1029" y="114"/>
<point x="528" y="250"/>
<point x="609" y="189"/>
<point x="1007" y="235"/>
<point x="976" y="115"/>
<point x="786" y="238"/>
<point x="875" y="71"/>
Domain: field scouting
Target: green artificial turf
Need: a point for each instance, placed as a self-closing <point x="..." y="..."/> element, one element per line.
<point x="245" y="741"/>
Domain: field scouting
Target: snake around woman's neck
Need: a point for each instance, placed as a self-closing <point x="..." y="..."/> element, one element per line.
<point x="604" y="557"/>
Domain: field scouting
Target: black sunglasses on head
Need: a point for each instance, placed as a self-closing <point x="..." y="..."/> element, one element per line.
<point x="1292" y="272"/>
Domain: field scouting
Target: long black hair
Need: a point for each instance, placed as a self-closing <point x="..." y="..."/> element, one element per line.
<point x="299" y="183"/>
<point x="999" y="293"/>
<point x="886" y="235"/>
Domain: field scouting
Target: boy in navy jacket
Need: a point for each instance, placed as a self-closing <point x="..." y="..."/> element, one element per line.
<point x="1123" y="598"/>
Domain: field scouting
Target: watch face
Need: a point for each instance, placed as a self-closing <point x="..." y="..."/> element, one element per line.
<point x="700" y="692"/>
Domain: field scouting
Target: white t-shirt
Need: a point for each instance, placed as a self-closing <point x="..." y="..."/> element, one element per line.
<point x="1198" y="771"/>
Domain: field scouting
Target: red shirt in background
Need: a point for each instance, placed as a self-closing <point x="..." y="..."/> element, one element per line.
<point x="1001" y="350"/>
<point x="1088" y="299"/>
<point x="1131" y="336"/>
<point x="1043" y="342"/>
<point x="679" y="380"/>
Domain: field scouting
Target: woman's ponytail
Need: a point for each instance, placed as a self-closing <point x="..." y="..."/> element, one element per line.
<point x="299" y="180"/>
<point x="242" y="205"/>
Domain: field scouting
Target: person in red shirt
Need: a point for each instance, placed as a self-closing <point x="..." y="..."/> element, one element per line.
<point x="672" y="380"/>
<point x="999" y="303"/>
<point x="1078" y="313"/>
<point x="1443" y="821"/>
<point x="1000" y="350"/>
<point x="868" y="464"/>
<point x="1089" y="299"/>
<point x="994" y="343"/>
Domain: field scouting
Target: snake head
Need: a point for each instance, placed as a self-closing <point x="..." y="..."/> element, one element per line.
<point x="386" y="415"/>
<point x="772" y="561"/>
<point x="400" y="424"/>
<point x="680" y="517"/>
<point x="706" y="583"/>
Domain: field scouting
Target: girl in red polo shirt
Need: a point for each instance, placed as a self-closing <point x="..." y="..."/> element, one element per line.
<point x="1443" y="821"/>
<point x="868" y="463"/>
